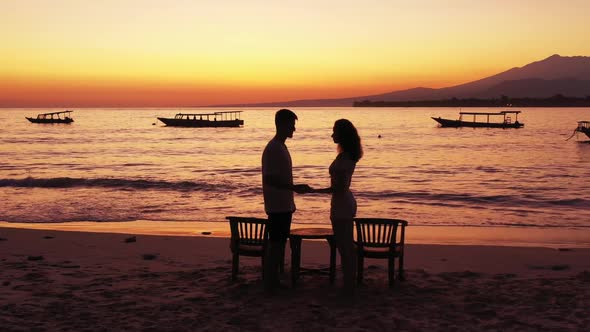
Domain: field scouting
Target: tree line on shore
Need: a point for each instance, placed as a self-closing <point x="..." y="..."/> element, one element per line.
<point x="503" y="101"/>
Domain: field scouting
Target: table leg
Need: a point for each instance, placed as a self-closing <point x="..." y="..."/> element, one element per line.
<point x="295" y="258"/>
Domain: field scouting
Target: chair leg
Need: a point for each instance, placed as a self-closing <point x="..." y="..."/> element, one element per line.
<point x="262" y="260"/>
<point x="401" y="267"/>
<point x="235" y="266"/>
<point x="360" y="268"/>
<point x="391" y="271"/>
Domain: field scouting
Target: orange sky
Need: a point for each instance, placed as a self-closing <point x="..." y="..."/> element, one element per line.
<point x="72" y="53"/>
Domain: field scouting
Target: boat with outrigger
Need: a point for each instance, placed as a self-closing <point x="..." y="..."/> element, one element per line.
<point x="478" y="120"/>
<point x="215" y="119"/>
<point x="53" y="117"/>
<point x="583" y="127"/>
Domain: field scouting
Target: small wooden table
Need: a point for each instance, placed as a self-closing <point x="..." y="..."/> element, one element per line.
<point x="295" y="238"/>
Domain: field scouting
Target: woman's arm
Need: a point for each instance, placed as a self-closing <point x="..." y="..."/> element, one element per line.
<point x="338" y="180"/>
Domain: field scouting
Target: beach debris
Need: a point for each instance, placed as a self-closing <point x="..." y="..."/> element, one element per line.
<point x="558" y="267"/>
<point x="35" y="258"/>
<point x="149" y="257"/>
<point x="565" y="249"/>
<point x="378" y="136"/>
<point x="465" y="274"/>
<point x="48" y="237"/>
<point x="131" y="239"/>
<point x="561" y="267"/>
<point x="206" y="233"/>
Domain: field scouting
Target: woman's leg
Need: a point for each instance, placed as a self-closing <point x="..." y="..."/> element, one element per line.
<point x="343" y="236"/>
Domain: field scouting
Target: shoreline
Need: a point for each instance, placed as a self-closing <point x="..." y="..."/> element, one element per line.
<point x="436" y="258"/>
<point x="510" y="236"/>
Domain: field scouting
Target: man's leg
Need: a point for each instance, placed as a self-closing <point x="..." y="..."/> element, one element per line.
<point x="270" y="273"/>
<point x="286" y="231"/>
<point x="267" y="276"/>
<point x="279" y="227"/>
<point x="270" y="267"/>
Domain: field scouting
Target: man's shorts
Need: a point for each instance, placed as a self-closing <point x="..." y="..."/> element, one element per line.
<point x="279" y="226"/>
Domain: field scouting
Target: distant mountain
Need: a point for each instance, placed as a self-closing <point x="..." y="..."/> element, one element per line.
<point x="568" y="76"/>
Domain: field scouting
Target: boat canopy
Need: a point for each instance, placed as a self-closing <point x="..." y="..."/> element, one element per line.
<point x="505" y="114"/>
<point x="45" y="115"/>
<point x="225" y="115"/>
<point x="493" y="113"/>
<point x="229" y="115"/>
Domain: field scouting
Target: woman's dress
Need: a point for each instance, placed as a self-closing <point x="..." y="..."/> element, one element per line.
<point x="343" y="204"/>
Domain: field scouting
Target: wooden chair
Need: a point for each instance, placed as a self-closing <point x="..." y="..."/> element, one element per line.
<point x="378" y="238"/>
<point x="249" y="237"/>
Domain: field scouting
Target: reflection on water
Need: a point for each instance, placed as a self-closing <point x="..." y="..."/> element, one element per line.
<point x="114" y="165"/>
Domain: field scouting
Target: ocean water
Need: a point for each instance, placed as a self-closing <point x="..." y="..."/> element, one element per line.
<point x="122" y="165"/>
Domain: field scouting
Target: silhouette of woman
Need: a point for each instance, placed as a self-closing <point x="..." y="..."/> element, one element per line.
<point x="343" y="204"/>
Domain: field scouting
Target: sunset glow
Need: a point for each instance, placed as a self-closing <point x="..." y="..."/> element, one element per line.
<point x="190" y="53"/>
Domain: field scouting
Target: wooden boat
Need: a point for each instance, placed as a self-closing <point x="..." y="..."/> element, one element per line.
<point x="583" y="127"/>
<point x="505" y="123"/>
<point x="53" y="117"/>
<point x="216" y="119"/>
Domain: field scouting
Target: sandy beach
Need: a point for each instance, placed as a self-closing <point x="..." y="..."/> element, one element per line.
<point x="81" y="281"/>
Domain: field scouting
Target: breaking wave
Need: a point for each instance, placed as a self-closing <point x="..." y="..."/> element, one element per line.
<point x="463" y="199"/>
<point x="68" y="182"/>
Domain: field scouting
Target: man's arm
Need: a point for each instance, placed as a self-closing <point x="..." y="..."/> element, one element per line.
<point x="275" y="180"/>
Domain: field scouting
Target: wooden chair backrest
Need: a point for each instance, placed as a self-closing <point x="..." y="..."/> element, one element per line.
<point x="248" y="231"/>
<point x="379" y="232"/>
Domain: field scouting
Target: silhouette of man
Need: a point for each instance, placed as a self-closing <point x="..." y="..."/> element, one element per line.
<point x="278" y="188"/>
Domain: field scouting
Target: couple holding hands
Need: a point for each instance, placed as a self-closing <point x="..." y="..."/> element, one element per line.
<point x="279" y="204"/>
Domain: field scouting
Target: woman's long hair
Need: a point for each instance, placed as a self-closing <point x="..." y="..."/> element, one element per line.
<point x="348" y="139"/>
